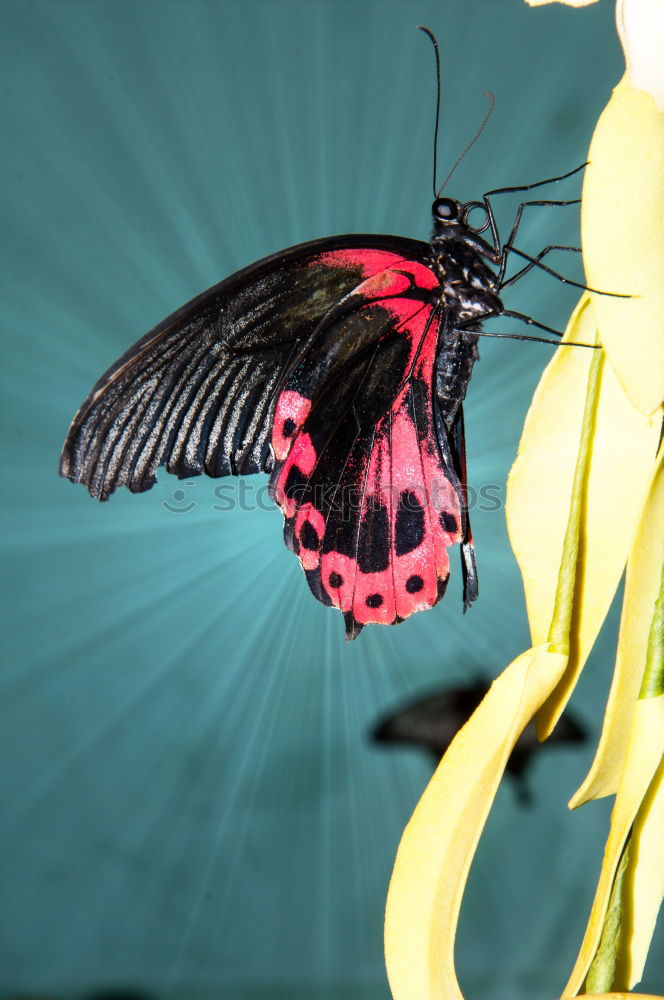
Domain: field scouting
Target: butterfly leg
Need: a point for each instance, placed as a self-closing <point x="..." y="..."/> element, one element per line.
<point x="567" y="281"/>
<point x="515" y="227"/>
<point x="535" y="340"/>
<point x="524" y="270"/>
<point x="513" y="315"/>
<point x="501" y="253"/>
<point x="523" y="187"/>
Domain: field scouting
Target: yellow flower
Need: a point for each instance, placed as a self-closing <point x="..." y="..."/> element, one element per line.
<point x="588" y="468"/>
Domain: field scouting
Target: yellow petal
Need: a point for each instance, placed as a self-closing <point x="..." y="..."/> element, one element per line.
<point x="642" y="761"/>
<point x="644" y="571"/>
<point x="623" y="996"/>
<point x="641" y="29"/>
<point x="540" y="489"/>
<point x="570" y="3"/>
<point x="622" y="225"/>
<point x="645" y="881"/>
<point x="438" y="844"/>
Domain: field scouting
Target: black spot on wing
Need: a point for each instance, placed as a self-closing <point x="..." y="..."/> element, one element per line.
<point x="297" y="486"/>
<point x="414" y="584"/>
<point x="309" y="536"/>
<point x="373" y="548"/>
<point x="448" y="521"/>
<point x="409" y="526"/>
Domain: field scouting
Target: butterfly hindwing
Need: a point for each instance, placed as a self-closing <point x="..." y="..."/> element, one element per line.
<point x="365" y="480"/>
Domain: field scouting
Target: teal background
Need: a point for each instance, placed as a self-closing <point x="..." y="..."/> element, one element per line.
<point x="191" y="804"/>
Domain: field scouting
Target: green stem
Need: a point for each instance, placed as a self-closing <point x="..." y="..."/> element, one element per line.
<point x="561" y="620"/>
<point x="602" y="972"/>
<point x="653" y="675"/>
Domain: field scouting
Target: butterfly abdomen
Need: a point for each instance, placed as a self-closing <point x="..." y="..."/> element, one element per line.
<point x="454" y="366"/>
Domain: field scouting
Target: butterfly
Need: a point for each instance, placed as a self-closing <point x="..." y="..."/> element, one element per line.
<point x="339" y="368"/>
<point x="433" y="722"/>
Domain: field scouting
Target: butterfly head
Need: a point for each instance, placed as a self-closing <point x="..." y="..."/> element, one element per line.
<point x="451" y="219"/>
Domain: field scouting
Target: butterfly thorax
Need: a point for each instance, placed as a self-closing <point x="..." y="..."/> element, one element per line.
<point x="467" y="283"/>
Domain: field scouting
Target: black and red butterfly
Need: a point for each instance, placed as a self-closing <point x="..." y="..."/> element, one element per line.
<point x="339" y="367"/>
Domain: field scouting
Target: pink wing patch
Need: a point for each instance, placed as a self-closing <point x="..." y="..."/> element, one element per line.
<point x="376" y="546"/>
<point x="370" y="261"/>
<point x="405" y="476"/>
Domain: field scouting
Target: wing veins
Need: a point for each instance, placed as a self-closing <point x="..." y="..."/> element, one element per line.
<point x="332" y="381"/>
<point x="350" y="450"/>
<point x="356" y="544"/>
<point x="175" y="408"/>
<point x="391" y="539"/>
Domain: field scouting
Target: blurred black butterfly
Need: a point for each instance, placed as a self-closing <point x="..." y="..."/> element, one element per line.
<point x="433" y="722"/>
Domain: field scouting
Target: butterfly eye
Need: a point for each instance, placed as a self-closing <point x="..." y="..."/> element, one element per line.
<point x="445" y="209"/>
<point x="475" y="206"/>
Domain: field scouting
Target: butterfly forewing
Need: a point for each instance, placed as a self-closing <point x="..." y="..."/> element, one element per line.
<point x="197" y="393"/>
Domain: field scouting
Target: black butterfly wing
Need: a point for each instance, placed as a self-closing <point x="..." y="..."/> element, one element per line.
<point x="434" y="721"/>
<point x="197" y="393"/>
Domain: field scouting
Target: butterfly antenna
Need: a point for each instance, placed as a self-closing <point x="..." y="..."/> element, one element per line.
<point x="492" y="101"/>
<point x="434" y="42"/>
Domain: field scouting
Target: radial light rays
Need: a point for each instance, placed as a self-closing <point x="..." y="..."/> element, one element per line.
<point x="194" y="799"/>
